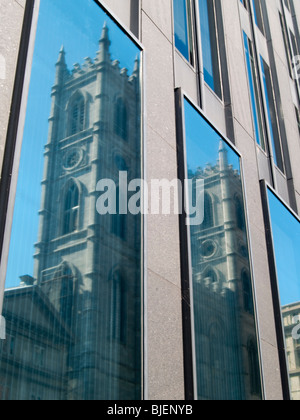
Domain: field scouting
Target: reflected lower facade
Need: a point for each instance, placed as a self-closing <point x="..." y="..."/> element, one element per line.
<point x="292" y="347"/>
<point x="74" y="327"/>
<point x="227" y="359"/>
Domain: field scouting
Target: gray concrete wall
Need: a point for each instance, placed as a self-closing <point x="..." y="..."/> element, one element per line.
<point x="165" y="349"/>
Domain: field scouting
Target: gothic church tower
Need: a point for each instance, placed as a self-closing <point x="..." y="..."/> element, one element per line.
<point x="86" y="263"/>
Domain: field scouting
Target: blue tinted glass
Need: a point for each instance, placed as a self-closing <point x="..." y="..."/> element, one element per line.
<point x="286" y="242"/>
<point x="286" y="235"/>
<point x="206" y="44"/>
<point x="252" y="92"/>
<point x="181" y="27"/>
<point x="209" y="44"/>
<point x="72" y="301"/>
<point x="227" y="359"/>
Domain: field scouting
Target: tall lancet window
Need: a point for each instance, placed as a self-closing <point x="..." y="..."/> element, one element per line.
<point x="119" y="221"/>
<point x="120" y="119"/>
<point x="65" y="278"/>
<point x="208" y="221"/>
<point x="77" y="115"/>
<point x="240" y="218"/>
<point x="71" y="209"/>
<point x="119" y="308"/>
<point x="84" y="327"/>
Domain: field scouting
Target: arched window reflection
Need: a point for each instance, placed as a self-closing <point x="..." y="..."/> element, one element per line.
<point x="64" y="279"/>
<point x="71" y="209"/>
<point x="211" y="275"/>
<point x="121" y="119"/>
<point x="119" y="225"/>
<point x="119" y="311"/>
<point x="254" y="369"/>
<point x="247" y="293"/>
<point x="77" y="115"/>
<point x="208" y="221"/>
<point x="239" y="211"/>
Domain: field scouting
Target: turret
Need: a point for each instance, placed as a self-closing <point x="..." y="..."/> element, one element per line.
<point x="103" y="54"/>
<point x="223" y="156"/>
<point x="61" y="67"/>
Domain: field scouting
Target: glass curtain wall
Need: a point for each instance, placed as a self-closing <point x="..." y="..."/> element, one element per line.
<point x="73" y="285"/>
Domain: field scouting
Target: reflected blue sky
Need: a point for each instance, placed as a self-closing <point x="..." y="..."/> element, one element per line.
<point x="77" y="26"/>
<point x="286" y="239"/>
<point x="199" y="152"/>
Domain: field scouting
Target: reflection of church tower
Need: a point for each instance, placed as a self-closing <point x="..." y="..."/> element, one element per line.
<point x="222" y="280"/>
<point x="86" y="263"/>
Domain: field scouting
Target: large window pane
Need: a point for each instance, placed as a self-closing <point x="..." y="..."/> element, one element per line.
<point x="72" y="301"/>
<point x="286" y="243"/>
<point x="227" y="358"/>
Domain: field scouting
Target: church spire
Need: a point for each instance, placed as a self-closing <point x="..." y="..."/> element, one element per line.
<point x="61" y="66"/>
<point x="62" y="55"/>
<point x="105" y="35"/>
<point x="223" y="156"/>
<point x="104" y="44"/>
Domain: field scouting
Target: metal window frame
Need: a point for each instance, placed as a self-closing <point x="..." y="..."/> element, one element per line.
<point x="12" y="154"/>
<point x="190" y="371"/>
<point x="264" y="187"/>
